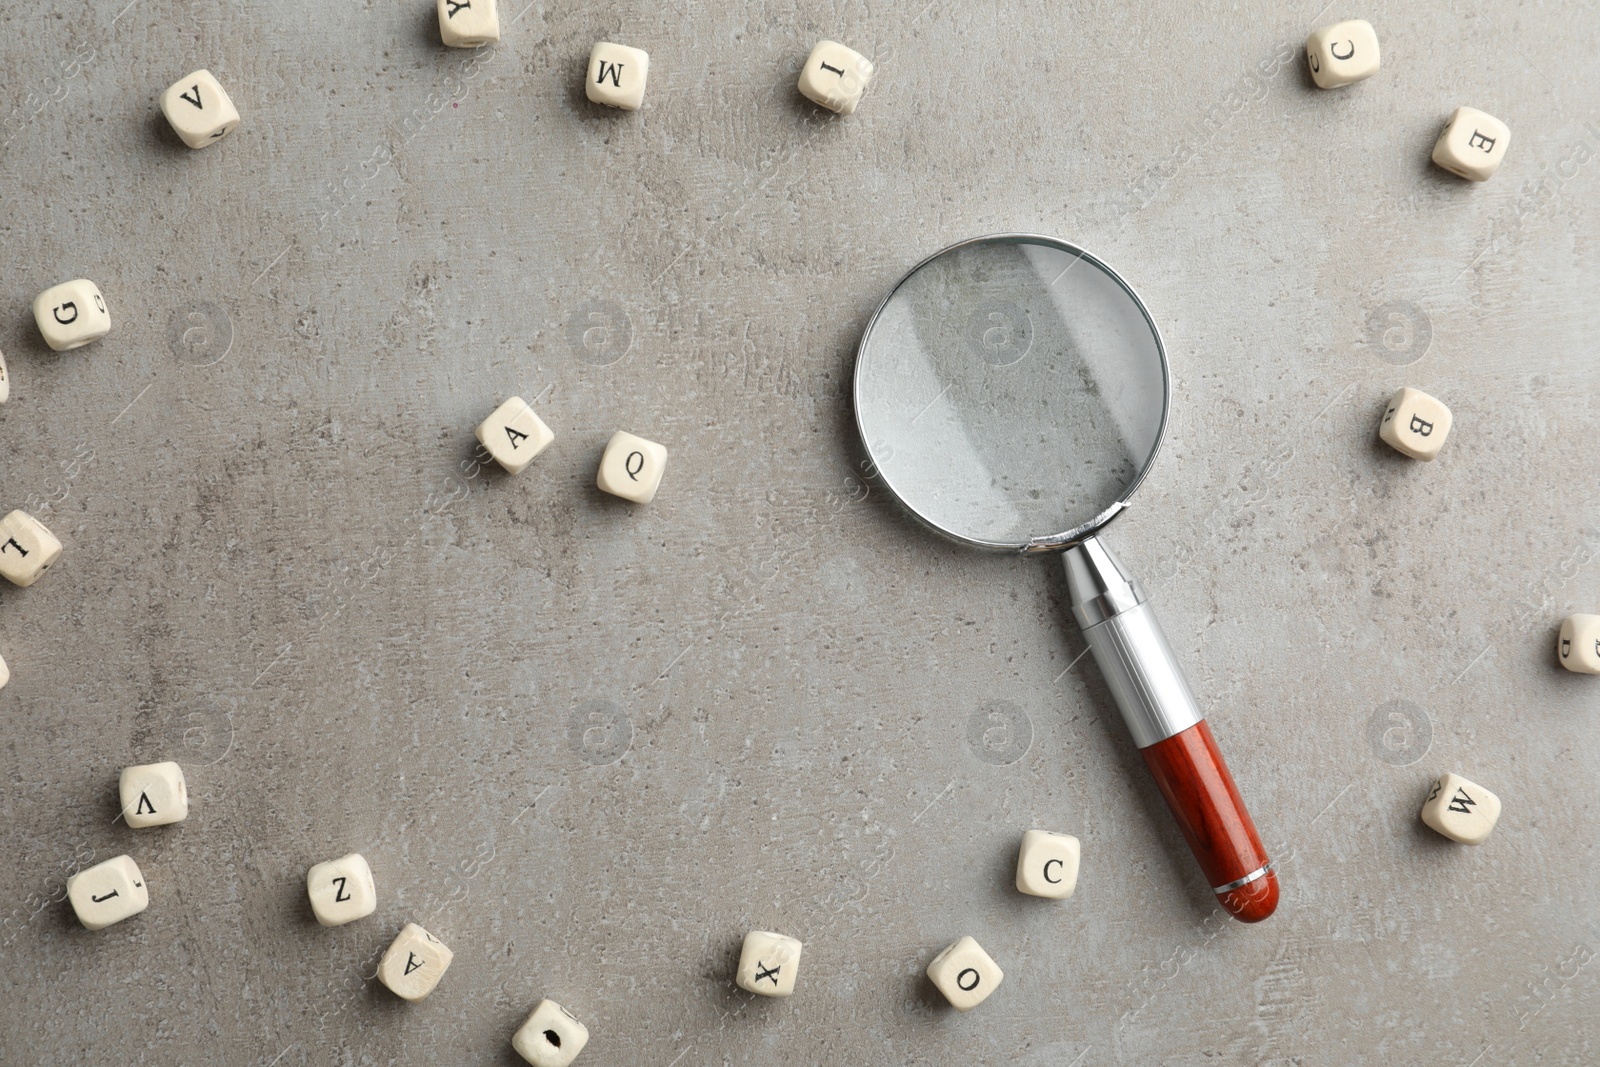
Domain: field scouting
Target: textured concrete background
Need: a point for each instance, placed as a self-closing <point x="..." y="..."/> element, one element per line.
<point x="588" y="744"/>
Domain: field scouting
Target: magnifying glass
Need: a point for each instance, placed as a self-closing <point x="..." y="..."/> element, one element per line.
<point x="1013" y="391"/>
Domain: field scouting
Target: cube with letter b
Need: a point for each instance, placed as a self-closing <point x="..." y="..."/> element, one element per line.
<point x="1415" y="424"/>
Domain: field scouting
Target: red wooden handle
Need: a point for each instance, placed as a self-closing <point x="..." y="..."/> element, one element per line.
<point x="1204" y="800"/>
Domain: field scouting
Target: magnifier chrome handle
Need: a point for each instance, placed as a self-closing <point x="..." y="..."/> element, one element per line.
<point x="1171" y="734"/>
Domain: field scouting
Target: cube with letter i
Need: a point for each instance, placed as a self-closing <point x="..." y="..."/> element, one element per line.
<point x="1578" y="646"/>
<point x="835" y="77"/>
<point x="27" y="549"/>
<point x="1415" y="424"/>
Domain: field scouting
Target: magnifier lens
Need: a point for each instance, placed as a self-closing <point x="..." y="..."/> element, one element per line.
<point x="1011" y="388"/>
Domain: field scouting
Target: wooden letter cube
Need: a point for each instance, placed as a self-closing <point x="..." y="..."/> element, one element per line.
<point x="632" y="467"/>
<point x="414" y="963"/>
<point x="1579" y="644"/>
<point x="1047" y="864"/>
<point x="199" y="110"/>
<point x="617" y="75"/>
<point x="1415" y="424"/>
<point x="341" y="890"/>
<point x="1342" y="53"/>
<point x="468" y="23"/>
<point x="550" y="1037"/>
<point x="835" y="77"/>
<point x="1461" y="810"/>
<point x="153" y="794"/>
<point x="514" y="435"/>
<point x="1472" y="145"/>
<point x="71" y="314"/>
<point x="27" y="549"/>
<point x="768" y="964"/>
<point x="5" y="674"/>
<point x="108" y="892"/>
<point x="965" y="974"/>
<point x="5" y="380"/>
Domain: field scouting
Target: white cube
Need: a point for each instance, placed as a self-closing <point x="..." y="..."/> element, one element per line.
<point x="835" y="77"/>
<point x="617" y="75"/>
<point x="1472" y="145"/>
<point x="632" y="467"/>
<point x="550" y="1037"/>
<point x="1578" y="647"/>
<point x="965" y="974"/>
<point x="342" y="890"/>
<point x="199" y="110"/>
<point x="5" y="380"/>
<point x="514" y="435"/>
<point x="1047" y="864"/>
<point x="1342" y="53"/>
<point x="153" y="794"/>
<point x="1415" y="424"/>
<point x="768" y="964"/>
<point x="1461" y="810"/>
<point x="414" y="963"/>
<point x="27" y="549"/>
<point x="71" y="314"/>
<point x="468" y="23"/>
<point x="5" y="673"/>
<point x="108" y="892"/>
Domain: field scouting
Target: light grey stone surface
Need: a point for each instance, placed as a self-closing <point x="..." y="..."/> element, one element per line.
<point x="589" y="745"/>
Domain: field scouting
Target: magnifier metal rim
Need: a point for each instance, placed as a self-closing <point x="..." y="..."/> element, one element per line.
<point x="1067" y="538"/>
